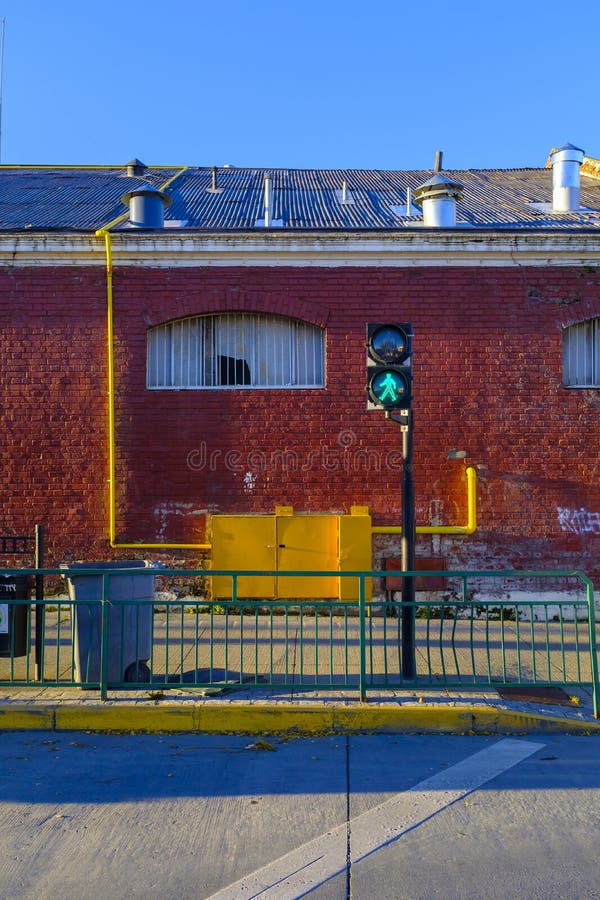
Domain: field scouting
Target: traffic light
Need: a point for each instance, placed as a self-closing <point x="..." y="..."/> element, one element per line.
<point x="388" y="365"/>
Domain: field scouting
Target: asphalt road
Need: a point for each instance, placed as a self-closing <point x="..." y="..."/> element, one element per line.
<point x="380" y="816"/>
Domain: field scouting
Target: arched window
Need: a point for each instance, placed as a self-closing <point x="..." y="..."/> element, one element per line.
<point x="581" y="354"/>
<point x="236" y="350"/>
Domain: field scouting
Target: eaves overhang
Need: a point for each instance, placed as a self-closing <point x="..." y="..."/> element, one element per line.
<point x="329" y="248"/>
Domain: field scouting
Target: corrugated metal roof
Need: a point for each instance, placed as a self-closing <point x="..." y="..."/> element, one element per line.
<point x="85" y="199"/>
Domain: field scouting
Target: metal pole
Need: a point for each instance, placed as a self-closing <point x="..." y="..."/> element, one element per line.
<point x="408" y="551"/>
<point x="39" y="604"/>
<point x="362" y="643"/>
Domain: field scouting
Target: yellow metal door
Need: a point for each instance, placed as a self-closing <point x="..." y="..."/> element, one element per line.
<point x="355" y="554"/>
<point x="307" y="543"/>
<point x="244" y="542"/>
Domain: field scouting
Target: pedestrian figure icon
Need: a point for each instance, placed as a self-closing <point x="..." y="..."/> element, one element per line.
<point x="390" y="389"/>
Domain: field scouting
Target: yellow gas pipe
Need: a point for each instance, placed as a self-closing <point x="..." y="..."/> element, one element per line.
<point x="469" y="528"/>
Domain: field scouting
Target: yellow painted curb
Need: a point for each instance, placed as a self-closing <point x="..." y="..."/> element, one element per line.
<point x="17" y="717"/>
<point x="124" y="718"/>
<point x="291" y="719"/>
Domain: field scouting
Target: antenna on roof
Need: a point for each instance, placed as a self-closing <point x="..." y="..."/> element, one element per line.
<point x="1" y="75"/>
<point x="438" y="161"/>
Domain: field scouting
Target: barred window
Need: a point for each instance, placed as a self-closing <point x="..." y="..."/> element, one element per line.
<point x="236" y="350"/>
<point x="581" y="354"/>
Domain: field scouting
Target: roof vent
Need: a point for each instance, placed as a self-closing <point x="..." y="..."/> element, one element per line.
<point x="213" y="189"/>
<point x="268" y="221"/>
<point x="146" y="207"/>
<point x="136" y="168"/>
<point x="565" y="178"/>
<point x="438" y="198"/>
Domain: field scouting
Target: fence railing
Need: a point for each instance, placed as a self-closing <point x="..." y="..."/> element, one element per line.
<point x="473" y="635"/>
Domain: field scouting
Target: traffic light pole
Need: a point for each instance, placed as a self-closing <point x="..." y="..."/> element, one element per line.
<point x="409" y="539"/>
<point x="389" y="386"/>
<point x="408" y="550"/>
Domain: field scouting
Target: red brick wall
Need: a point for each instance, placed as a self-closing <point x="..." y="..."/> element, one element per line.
<point x="487" y="379"/>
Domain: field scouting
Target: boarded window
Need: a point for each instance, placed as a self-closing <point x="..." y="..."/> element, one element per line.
<point x="236" y="350"/>
<point x="581" y="354"/>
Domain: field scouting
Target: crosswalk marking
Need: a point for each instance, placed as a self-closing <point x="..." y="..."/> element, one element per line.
<point x="315" y="862"/>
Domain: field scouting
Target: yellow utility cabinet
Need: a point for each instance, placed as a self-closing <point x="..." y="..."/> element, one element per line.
<point x="293" y="543"/>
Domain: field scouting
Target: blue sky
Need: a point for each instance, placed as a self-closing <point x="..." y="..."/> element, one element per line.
<point x="311" y="84"/>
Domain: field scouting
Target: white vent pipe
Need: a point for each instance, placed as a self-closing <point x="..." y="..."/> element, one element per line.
<point x="438" y="198"/>
<point x="565" y="178"/>
<point x="268" y="198"/>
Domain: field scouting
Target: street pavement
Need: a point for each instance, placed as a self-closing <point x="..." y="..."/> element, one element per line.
<point x="387" y="816"/>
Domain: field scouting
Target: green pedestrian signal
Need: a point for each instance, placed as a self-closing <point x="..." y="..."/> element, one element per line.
<point x="388" y="365"/>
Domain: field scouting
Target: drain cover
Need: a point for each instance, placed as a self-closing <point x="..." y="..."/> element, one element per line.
<point x="533" y="694"/>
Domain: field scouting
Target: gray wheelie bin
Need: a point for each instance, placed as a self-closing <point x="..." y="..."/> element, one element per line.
<point x="129" y="620"/>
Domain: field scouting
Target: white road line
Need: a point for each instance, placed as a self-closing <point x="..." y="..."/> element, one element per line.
<point x="302" y="870"/>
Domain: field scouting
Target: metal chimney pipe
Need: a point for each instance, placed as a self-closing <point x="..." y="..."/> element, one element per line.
<point x="136" y="168"/>
<point x="146" y="207"/>
<point x="268" y="198"/>
<point x="565" y="178"/>
<point x="438" y="198"/>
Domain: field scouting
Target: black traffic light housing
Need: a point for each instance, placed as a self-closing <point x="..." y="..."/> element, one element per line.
<point x="389" y="377"/>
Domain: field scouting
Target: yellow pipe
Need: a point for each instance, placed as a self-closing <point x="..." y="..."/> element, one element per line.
<point x="70" y="168"/>
<point x="112" y="502"/>
<point x="469" y="528"/>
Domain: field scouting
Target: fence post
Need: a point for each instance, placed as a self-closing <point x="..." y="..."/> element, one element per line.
<point x="589" y="589"/>
<point x="40" y="609"/>
<point x="105" y="609"/>
<point x="361" y="637"/>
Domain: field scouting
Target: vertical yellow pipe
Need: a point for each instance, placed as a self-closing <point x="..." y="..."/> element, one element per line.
<point x="112" y="500"/>
<point x="471" y="474"/>
<point x="111" y="389"/>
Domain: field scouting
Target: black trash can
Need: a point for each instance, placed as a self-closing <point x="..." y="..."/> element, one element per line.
<point x="14" y="617"/>
<point x="129" y="621"/>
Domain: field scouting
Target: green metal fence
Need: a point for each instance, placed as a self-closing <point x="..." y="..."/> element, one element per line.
<point x="486" y="630"/>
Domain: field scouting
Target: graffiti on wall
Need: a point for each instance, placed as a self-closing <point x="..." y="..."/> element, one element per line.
<point x="578" y="521"/>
